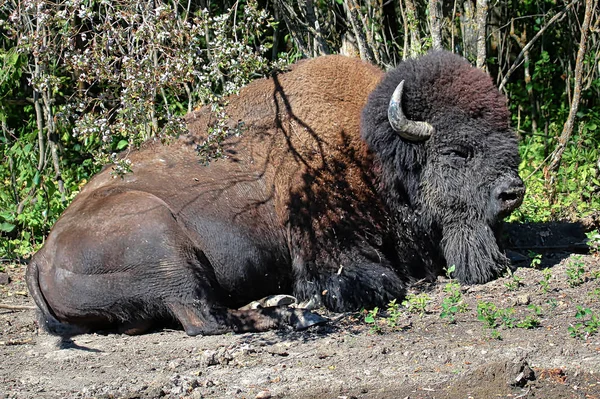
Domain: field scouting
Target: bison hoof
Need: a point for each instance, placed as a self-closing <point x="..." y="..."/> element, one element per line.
<point x="301" y="319"/>
<point x="270" y="301"/>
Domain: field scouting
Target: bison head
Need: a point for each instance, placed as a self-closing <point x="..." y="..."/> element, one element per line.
<point x="440" y="130"/>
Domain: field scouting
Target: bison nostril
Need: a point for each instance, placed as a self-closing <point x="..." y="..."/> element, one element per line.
<point x="507" y="196"/>
<point x="511" y="197"/>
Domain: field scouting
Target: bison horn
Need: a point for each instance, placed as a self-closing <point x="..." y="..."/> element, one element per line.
<point x="410" y="130"/>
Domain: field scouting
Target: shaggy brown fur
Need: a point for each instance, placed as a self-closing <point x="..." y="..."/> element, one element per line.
<point x="301" y="205"/>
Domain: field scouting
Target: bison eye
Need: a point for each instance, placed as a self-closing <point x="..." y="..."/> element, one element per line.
<point x="457" y="153"/>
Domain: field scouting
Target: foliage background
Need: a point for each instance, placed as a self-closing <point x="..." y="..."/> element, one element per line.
<point x="81" y="80"/>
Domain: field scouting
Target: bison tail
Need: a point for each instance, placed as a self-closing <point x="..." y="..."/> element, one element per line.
<point x="47" y="319"/>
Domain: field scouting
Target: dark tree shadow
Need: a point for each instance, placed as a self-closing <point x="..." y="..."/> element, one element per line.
<point x="555" y="241"/>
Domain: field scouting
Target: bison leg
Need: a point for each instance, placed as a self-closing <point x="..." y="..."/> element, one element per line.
<point x="202" y="320"/>
<point x="273" y="317"/>
<point x="130" y="266"/>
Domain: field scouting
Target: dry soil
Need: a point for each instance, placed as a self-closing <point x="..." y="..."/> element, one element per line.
<point x="423" y="356"/>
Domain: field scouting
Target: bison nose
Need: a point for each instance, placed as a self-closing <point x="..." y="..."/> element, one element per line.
<point x="509" y="195"/>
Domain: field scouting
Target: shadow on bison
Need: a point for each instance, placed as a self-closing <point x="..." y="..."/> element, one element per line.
<point x="346" y="186"/>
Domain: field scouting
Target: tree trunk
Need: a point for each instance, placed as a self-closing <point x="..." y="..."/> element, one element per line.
<point x="468" y="28"/>
<point x="453" y="27"/>
<point x="435" y="23"/>
<point x="556" y="156"/>
<point x="290" y="18"/>
<point x="39" y="117"/>
<point x="412" y="24"/>
<point x="319" y="44"/>
<point x="481" y="19"/>
<point x="522" y="42"/>
<point x="361" y="40"/>
<point x="406" y="31"/>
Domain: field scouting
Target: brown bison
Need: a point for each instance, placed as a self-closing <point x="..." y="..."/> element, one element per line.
<point x="345" y="185"/>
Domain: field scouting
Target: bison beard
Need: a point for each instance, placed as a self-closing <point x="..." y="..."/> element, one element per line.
<point x="345" y="186"/>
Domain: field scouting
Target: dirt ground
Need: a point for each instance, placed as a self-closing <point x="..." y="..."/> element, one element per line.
<point x="422" y="357"/>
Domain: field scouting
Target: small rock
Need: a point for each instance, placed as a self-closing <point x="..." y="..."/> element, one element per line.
<point x="4" y="279"/>
<point x="523" y="299"/>
<point x="519" y="374"/>
<point x="209" y="358"/>
<point x="177" y="390"/>
<point x="215" y="357"/>
<point x="263" y="395"/>
<point x="277" y="350"/>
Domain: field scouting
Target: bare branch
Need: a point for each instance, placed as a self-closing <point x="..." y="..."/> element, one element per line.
<point x="320" y="45"/>
<point x="354" y="17"/>
<point x="522" y="42"/>
<point x="556" y="156"/>
<point x="517" y="61"/>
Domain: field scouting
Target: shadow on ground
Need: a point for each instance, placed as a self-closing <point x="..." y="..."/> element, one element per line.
<point x="555" y="241"/>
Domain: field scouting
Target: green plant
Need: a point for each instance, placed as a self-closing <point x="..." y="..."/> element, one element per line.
<point x="575" y="271"/>
<point x="593" y="240"/>
<point x="494" y="318"/>
<point x="507" y="318"/>
<point x="553" y="303"/>
<point x="595" y="293"/>
<point x="529" y="322"/>
<point x="515" y="281"/>
<point x="393" y="314"/>
<point x="537" y="309"/>
<point x="536" y="259"/>
<point x="545" y="281"/>
<point x="487" y="313"/>
<point x="85" y="80"/>
<point x="452" y="304"/>
<point x="450" y="271"/>
<point x="371" y="318"/>
<point x="589" y="325"/>
<point x="390" y="319"/>
<point x="417" y="303"/>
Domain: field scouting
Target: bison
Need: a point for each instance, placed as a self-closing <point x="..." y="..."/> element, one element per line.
<point x="345" y="185"/>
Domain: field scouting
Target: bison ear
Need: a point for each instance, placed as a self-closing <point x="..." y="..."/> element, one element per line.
<point x="407" y="129"/>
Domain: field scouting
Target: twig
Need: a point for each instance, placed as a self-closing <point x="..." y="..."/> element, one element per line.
<point x="16" y="307"/>
<point x="352" y="10"/>
<point x="16" y="342"/>
<point x="541" y="165"/>
<point x="532" y="41"/>
<point x="315" y="28"/>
